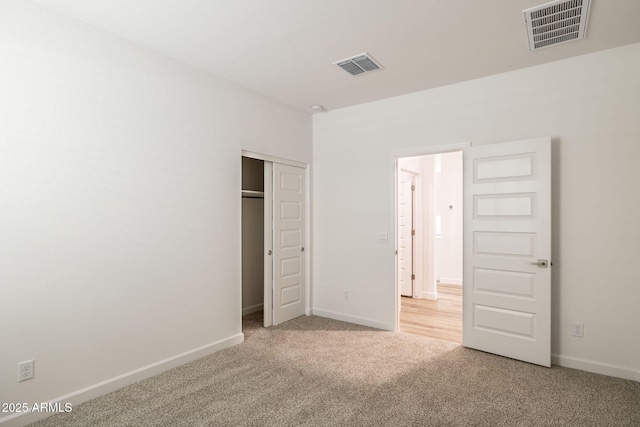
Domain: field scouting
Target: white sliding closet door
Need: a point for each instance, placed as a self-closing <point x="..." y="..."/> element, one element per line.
<point x="288" y="242"/>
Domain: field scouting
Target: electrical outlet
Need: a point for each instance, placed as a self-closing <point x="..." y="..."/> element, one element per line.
<point x="25" y="370"/>
<point x="578" y="329"/>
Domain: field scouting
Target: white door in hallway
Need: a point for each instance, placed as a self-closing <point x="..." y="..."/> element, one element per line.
<point x="507" y="250"/>
<point x="405" y="232"/>
<point x="288" y="242"/>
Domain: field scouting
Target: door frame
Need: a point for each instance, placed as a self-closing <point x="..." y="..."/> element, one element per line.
<point x="416" y="249"/>
<point x="427" y="151"/>
<point x="268" y="230"/>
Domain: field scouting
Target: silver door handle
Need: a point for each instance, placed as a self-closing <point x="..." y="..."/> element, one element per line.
<point x="542" y="263"/>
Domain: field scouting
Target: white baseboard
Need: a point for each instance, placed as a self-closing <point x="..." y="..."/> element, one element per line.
<point x="112" y="384"/>
<point x="352" y="319"/>
<point x="430" y="295"/>
<point x="252" y="309"/>
<point x="595" y="367"/>
<point x="450" y="281"/>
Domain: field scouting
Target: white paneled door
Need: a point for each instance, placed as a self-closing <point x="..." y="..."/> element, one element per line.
<point x="405" y="232"/>
<point x="288" y="242"/>
<point x="507" y="249"/>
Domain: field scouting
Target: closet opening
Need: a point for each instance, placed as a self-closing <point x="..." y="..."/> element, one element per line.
<point x="253" y="231"/>
<point x="274" y="230"/>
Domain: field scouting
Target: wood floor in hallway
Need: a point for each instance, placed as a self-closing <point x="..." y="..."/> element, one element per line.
<point x="441" y="319"/>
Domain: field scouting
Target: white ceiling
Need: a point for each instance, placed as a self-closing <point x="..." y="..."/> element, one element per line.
<point x="285" y="49"/>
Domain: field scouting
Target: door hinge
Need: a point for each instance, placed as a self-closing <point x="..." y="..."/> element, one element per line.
<point x="413" y="187"/>
<point x="413" y="277"/>
<point x="413" y="232"/>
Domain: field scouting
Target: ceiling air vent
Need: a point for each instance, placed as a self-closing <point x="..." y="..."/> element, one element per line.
<point x="358" y="64"/>
<point x="556" y="22"/>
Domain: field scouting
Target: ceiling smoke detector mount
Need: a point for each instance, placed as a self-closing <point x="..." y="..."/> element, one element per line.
<point x="557" y="22"/>
<point x="359" y="64"/>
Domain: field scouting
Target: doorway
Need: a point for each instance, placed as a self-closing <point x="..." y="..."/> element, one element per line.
<point x="253" y="237"/>
<point x="506" y="247"/>
<point x="274" y="232"/>
<point x="430" y="246"/>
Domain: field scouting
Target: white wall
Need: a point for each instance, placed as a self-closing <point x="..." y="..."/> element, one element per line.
<point x="448" y="192"/>
<point x="252" y="255"/>
<point x="442" y="257"/>
<point x="119" y="203"/>
<point x="429" y="288"/>
<point x="589" y="105"/>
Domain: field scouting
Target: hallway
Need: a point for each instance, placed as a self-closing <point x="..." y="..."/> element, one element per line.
<point x="441" y="319"/>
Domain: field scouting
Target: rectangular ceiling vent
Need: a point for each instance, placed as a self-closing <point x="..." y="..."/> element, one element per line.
<point x="556" y="22"/>
<point x="358" y="64"/>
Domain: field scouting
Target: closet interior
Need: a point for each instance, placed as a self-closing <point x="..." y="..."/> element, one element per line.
<point x="252" y="235"/>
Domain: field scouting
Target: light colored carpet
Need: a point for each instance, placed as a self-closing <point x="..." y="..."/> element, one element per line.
<point x="314" y="371"/>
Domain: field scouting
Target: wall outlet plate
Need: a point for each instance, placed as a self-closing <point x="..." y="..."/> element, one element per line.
<point x="577" y="329"/>
<point x="25" y="370"/>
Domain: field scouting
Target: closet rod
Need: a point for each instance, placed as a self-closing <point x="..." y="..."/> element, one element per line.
<point x="250" y="194"/>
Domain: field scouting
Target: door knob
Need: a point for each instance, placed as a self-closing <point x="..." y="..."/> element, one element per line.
<point x="302" y="249"/>
<point x="269" y="253"/>
<point x="542" y="263"/>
